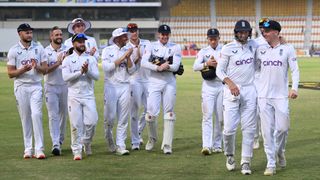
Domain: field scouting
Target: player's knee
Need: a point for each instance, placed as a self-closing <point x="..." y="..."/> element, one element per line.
<point x="170" y="116"/>
<point x="150" y="118"/>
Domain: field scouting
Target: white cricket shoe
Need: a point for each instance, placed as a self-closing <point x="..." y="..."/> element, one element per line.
<point x="77" y="157"/>
<point x="40" y="155"/>
<point x="245" y="169"/>
<point x="282" y="160"/>
<point x="167" y="149"/>
<point x="256" y="144"/>
<point x="150" y="144"/>
<point x="217" y="150"/>
<point x="206" y="151"/>
<point x="27" y="155"/>
<point x="231" y="163"/>
<point x="87" y="149"/>
<point x="135" y="147"/>
<point x="141" y="141"/>
<point x="122" y="152"/>
<point x="269" y="172"/>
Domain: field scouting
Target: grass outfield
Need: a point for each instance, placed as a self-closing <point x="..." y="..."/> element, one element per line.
<point x="186" y="162"/>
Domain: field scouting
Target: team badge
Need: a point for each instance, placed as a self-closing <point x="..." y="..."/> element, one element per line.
<point x="19" y="53"/>
<point x="250" y="48"/>
<point x="111" y="55"/>
<point x="235" y="52"/>
<point x="73" y="61"/>
<point x="88" y="45"/>
<point x="49" y="54"/>
<point x="281" y="52"/>
<point x="262" y="52"/>
<point x="207" y="56"/>
<point x="36" y="51"/>
<point x="156" y="50"/>
<point x="169" y="51"/>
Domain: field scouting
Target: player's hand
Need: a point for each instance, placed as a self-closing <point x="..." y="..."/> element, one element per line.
<point x="293" y="94"/>
<point x="27" y="67"/>
<point x="33" y="63"/>
<point x="212" y="62"/>
<point x="92" y="51"/>
<point x="60" y="58"/>
<point x="165" y="66"/>
<point x="234" y="89"/>
<point x="128" y="53"/>
<point x="84" y="68"/>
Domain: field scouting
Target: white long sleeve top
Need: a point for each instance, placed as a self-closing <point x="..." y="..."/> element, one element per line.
<point x="80" y="85"/>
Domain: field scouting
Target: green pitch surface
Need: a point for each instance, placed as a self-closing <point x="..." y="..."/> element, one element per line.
<point x="186" y="162"/>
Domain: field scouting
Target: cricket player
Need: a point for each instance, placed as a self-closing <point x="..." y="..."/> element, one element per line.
<point x="117" y="66"/>
<point x="260" y="41"/>
<point x="162" y="58"/>
<point x="56" y="90"/>
<point x="139" y="86"/>
<point x="27" y="63"/>
<point x="212" y="92"/>
<point x="275" y="59"/>
<point x="79" y="25"/>
<point x="80" y="70"/>
<point x="236" y="69"/>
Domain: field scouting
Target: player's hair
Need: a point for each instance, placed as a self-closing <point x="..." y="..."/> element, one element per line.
<point x="54" y="28"/>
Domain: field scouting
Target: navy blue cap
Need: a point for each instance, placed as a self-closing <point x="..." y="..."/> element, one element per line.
<point x="213" y="32"/>
<point x="272" y="25"/>
<point x="164" y="29"/>
<point x="24" y="27"/>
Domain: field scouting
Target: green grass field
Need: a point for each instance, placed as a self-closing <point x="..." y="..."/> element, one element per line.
<point x="186" y="162"/>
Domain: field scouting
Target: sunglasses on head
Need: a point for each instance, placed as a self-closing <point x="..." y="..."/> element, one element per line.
<point x="79" y="36"/>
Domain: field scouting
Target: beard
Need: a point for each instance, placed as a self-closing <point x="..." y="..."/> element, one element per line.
<point x="27" y="40"/>
<point x="58" y="41"/>
<point x="81" y="49"/>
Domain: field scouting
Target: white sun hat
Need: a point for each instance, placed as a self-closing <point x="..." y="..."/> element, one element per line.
<point x="87" y="24"/>
<point x="116" y="33"/>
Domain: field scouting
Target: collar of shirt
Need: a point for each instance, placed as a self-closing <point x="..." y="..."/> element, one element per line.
<point x="269" y="46"/>
<point x="56" y="50"/>
<point x="163" y="45"/>
<point x="22" y="47"/>
<point x="133" y="45"/>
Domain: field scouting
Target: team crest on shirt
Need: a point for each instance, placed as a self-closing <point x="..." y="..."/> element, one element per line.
<point x="207" y="56"/>
<point x="36" y="51"/>
<point x="235" y="52"/>
<point x="156" y="50"/>
<point x="250" y="48"/>
<point x="111" y="55"/>
<point x="169" y="51"/>
<point x="262" y="52"/>
<point x="19" y="53"/>
<point x="281" y="52"/>
<point x="73" y="61"/>
<point x="49" y="54"/>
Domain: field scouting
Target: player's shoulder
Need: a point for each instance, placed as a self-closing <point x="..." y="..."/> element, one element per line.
<point x="144" y="41"/>
<point x="14" y="47"/>
<point x="229" y="46"/>
<point x="253" y="43"/>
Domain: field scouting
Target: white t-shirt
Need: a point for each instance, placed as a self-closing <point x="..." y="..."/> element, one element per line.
<point x="164" y="51"/>
<point x="141" y="74"/>
<point x="116" y="74"/>
<point x="90" y="43"/>
<point x="54" y="77"/>
<point x="237" y="62"/>
<point x="19" y="56"/>
<point x="274" y="64"/>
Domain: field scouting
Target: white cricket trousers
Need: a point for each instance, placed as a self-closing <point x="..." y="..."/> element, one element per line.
<point x="240" y="110"/>
<point x="83" y="116"/>
<point x="139" y="94"/>
<point x="275" y="124"/>
<point x="29" y="104"/>
<point x="212" y="98"/>
<point x="56" y="97"/>
<point x="167" y="93"/>
<point x="116" y="107"/>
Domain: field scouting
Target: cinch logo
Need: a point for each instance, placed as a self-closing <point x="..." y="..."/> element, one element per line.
<point x="27" y="61"/>
<point x="244" y="61"/>
<point x="272" y="63"/>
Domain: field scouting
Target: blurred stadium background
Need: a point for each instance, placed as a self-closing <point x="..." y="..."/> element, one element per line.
<point x="189" y="19"/>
